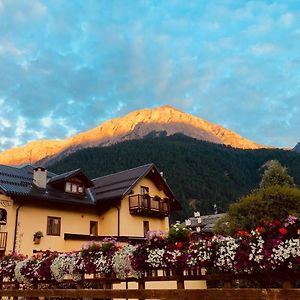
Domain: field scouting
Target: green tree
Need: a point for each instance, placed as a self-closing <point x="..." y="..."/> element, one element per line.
<point x="271" y="203"/>
<point x="276" y="174"/>
<point x="276" y="199"/>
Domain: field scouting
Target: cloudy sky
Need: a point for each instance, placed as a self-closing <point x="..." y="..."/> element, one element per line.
<point x="67" y="66"/>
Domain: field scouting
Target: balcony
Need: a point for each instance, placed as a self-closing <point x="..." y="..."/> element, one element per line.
<point x="145" y="205"/>
<point x="3" y="239"/>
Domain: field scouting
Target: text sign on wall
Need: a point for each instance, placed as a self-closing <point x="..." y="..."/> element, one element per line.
<point x="3" y="216"/>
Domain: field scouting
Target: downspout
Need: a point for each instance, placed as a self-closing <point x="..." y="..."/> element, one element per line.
<point x="118" y="208"/>
<point x="16" y="226"/>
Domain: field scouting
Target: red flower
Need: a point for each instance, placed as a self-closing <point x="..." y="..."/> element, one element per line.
<point x="259" y="229"/>
<point x="282" y="230"/>
<point x="178" y="245"/>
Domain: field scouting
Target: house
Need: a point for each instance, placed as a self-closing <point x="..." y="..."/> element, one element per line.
<point x="69" y="209"/>
<point x="204" y="225"/>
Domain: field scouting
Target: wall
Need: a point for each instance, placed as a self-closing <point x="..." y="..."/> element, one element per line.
<point x="132" y="225"/>
<point x="32" y="219"/>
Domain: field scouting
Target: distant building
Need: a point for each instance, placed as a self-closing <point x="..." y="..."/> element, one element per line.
<point x="203" y="225"/>
<point x="40" y="210"/>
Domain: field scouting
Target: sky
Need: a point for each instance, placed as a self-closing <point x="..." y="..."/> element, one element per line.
<point x="67" y="66"/>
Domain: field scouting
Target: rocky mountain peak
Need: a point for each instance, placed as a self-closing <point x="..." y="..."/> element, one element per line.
<point x="134" y="125"/>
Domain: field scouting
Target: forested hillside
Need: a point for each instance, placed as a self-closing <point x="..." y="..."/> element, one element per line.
<point x="201" y="174"/>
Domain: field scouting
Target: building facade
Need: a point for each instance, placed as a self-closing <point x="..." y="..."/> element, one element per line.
<point x="40" y="210"/>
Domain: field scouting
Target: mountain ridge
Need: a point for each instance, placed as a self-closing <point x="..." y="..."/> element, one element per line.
<point x="134" y="125"/>
<point x="200" y="173"/>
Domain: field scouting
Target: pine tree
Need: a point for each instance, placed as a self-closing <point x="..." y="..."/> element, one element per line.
<point x="276" y="174"/>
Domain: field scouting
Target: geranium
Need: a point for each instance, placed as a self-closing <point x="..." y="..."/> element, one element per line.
<point x="8" y="264"/>
<point x="199" y="254"/>
<point x="122" y="262"/>
<point x="226" y="248"/>
<point x="282" y="230"/>
<point x="67" y="264"/>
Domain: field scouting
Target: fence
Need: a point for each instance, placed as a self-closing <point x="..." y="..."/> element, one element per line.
<point x="102" y="287"/>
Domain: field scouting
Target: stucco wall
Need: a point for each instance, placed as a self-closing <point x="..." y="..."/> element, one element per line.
<point x="32" y="219"/>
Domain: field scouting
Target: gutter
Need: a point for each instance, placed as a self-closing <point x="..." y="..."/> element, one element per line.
<point x="16" y="226"/>
<point x="118" y="208"/>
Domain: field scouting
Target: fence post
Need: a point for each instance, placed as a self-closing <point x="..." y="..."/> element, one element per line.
<point x="141" y="286"/>
<point x="287" y="284"/>
<point x="180" y="280"/>
<point x="16" y="287"/>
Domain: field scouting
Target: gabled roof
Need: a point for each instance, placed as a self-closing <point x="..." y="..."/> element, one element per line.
<point x="208" y="222"/>
<point x="17" y="180"/>
<point x="18" y="183"/>
<point x="116" y="186"/>
<point x="68" y="175"/>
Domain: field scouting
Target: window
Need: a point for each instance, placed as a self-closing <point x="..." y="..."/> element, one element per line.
<point x="144" y="190"/>
<point x="94" y="228"/>
<point x="53" y="226"/>
<point x="146" y="227"/>
<point x="74" y="188"/>
<point x="68" y="187"/>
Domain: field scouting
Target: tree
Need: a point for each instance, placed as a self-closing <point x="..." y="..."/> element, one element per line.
<point x="276" y="174"/>
<point x="276" y="199"/>
<point x="268" y="204"/>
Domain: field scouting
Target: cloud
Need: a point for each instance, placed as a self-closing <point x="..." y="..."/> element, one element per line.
<point x="287" y="19"/>
<point x="67" y="66"/>
<point x="266" y="48"/>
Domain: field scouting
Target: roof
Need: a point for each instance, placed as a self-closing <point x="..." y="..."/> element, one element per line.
<point x="116" y="186"/>
<point x="74" y="173"/>
<point x="105" y="190"/>
<point x="208" y="222"/>
<point x="18" y="182"/>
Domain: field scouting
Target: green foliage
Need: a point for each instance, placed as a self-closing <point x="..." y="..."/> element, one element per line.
<point x="179" y="233"/>
<point x="270" y="203"/>
<point x="276" y="174"/>
<point x="200" y="174"/>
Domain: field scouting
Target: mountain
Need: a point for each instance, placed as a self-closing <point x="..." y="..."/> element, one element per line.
<point x="134" y="125"/>
<point x="297" y="148"/>
<point x="200" y="173"/>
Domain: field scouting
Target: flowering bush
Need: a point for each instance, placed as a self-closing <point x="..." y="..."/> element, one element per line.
<point x="272" y="246"/>
<point x="122" y="262"/>
<point x="8" y="265"/>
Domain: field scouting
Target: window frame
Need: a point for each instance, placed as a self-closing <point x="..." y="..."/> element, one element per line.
<point x="94" y="223"/>
<point x="146" y="227"/>
<point x="51" y="232"/>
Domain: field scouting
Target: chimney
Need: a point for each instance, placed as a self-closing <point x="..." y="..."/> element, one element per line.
<point x="40" y="177"/>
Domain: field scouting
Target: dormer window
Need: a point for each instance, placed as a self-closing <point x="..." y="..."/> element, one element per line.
<point x="75" y="188"/>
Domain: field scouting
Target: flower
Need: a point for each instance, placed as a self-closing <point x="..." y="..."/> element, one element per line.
<point x="282" y="230"/>
<point x="259" y="229"/>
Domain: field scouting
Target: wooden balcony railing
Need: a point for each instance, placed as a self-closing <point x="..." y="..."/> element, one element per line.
<point x="146" y="205"/>
<point x="3" y="240"/>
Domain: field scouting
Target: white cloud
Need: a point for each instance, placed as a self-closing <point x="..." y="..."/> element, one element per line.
<point x="20" y="126"/>
<point x="264" y="48"/>
<point x="287" y="19"/>
<point x="1" y="7"/>
<point x="7" y="48"/>
<point x="38" y="9"/>
<point x="47" y="121"/>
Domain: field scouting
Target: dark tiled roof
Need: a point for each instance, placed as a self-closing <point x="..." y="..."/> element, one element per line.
<point x="70" y="174"/>
<point x="18" y="182"/>
<point x="209" y="221"/>
<point x="117" y="185"/>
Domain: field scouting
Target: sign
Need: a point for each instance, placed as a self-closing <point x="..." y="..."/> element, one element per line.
<point x="3" y="216"/>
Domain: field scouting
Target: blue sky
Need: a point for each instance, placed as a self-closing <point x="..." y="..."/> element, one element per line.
<point x="67" y="66"/>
